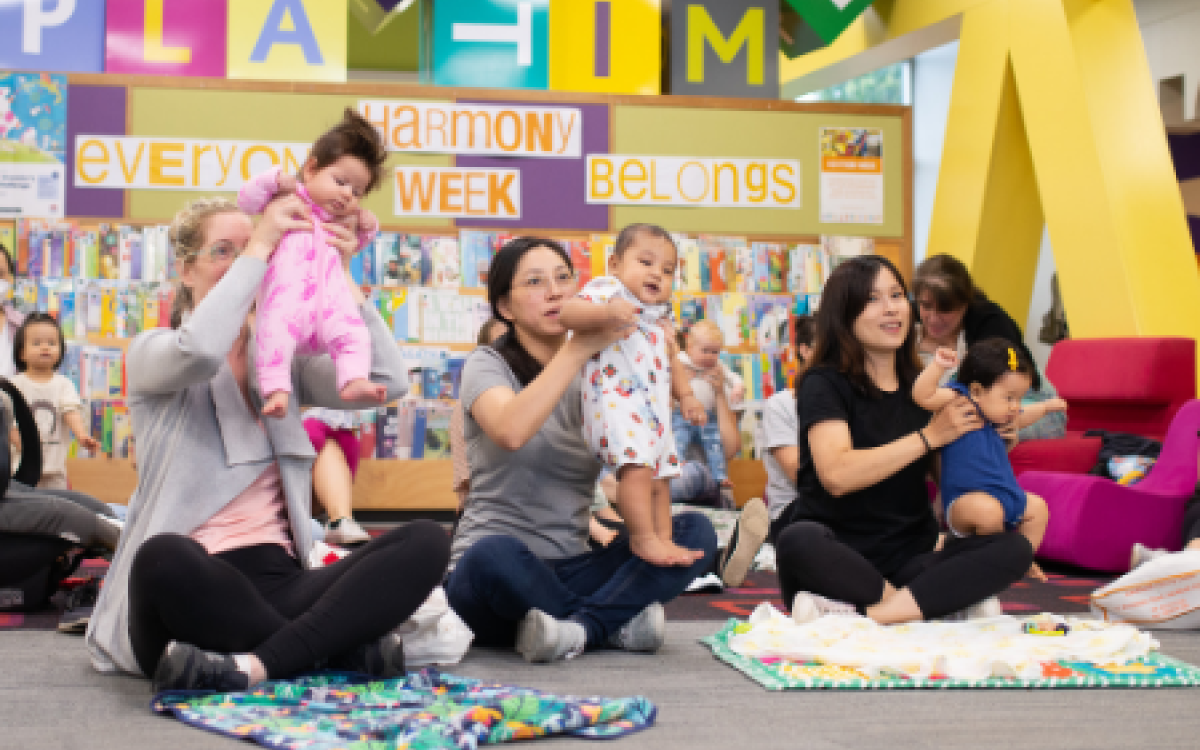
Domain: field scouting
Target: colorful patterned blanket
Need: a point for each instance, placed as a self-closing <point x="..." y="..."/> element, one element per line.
<point x="840" y="654"/>
<point x="429" y="709"/>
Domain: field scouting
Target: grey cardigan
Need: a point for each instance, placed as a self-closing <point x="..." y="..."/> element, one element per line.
<point x="198" y="444"/>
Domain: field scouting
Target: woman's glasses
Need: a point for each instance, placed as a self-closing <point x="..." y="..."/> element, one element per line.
<point x="539" y="284"/>
<point x="221" y="251"/>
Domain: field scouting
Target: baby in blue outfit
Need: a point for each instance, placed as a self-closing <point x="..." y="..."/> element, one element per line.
<point x="980" y="493"/>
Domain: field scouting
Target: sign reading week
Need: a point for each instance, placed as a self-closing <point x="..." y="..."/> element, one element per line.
<point x="718" y="47"/>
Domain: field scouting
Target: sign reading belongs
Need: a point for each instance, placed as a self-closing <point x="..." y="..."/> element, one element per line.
<point x="693" y="181"/>
<point x="496" y="130"/>
<point x="178" y="163"/>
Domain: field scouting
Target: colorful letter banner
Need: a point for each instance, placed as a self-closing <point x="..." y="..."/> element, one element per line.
<point x="60" y="35"/>
<point x="288" y="40"/>
<point x="33" y="135"/>
<point x="166" y="37"/>
<point x="450" y="192"/>
<point x="493" y="43"/>
<point x="725" y="48"/>
<point x="608" y="46"/>
<point x="851" y="175"/>
<point x="497" y="130"/>
<point x="178" y="163"/>
<point x="693" y="181"/>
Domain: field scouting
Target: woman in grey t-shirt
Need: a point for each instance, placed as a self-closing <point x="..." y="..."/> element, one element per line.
<point x="522" y="572"/>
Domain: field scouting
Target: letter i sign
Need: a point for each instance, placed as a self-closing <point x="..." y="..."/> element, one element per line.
<point x="492" y="43"/>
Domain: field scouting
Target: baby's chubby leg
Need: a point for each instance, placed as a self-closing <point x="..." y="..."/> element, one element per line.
<point x="660" y="498"/>
<point x="976" y="514"/>
<point x="1033" y="527"/>
<point x="636" y="503"/>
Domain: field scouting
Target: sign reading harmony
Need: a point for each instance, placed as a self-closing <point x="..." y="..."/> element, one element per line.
<point x="450" y="192"/>
<point x="489" y="129"/>
<point x="178" y="163"/>
<point x="693" y="181"/>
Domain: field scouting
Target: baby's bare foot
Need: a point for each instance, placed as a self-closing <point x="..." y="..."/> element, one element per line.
<point x="654" y="551"/>
<point x="363" y="391"/>
<point x="276" y="405"/>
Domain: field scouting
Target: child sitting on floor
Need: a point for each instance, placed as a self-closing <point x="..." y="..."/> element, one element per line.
<point x="628" y="387"/>
<point x="980" y="493"/>
<point x="701" y="359"/>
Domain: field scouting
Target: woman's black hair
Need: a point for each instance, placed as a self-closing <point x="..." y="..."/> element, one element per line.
<point x="988" y="360"/>
<point x="500" y="284"/>
<point x="804" y="330"/>
<point x="19" y="339"/>
<point x="844" y="298"/>
<point x="8" y="257"/>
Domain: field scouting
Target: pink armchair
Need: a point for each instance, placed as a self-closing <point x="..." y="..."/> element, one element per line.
<point x="1122" y="384"/>
<point x="1095" y="521"/>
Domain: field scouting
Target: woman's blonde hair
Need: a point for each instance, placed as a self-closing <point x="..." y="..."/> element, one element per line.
<point x="187" y="240"/>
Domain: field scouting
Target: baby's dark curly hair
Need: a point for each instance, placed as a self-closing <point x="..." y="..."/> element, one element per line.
<point x="989" y="359"/>
<point x="356" y="137"/>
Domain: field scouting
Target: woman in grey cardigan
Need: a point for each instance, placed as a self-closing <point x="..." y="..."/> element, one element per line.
<point x="210" y="586"/>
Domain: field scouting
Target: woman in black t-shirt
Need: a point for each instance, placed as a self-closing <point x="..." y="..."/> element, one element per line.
<point x="862" y="534"/>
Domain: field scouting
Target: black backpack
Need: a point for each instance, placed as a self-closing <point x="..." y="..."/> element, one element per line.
<point x="1114" y="444"/>
<point x="31" y="566"/>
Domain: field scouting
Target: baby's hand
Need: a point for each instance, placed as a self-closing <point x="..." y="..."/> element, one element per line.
<point x="621" y="312"/>
<point x="89" y="442"/>
<point x="693" y="410"/>
<point x="737" y="394"/>
<point x="287" y="183"/>
<point x="367" y="222"/>
<point x="1054" y="404"/>
<point x="945" y="357"/>
<point x="350" y="221"/>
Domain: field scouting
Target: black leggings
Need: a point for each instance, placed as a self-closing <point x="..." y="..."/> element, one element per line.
<point x="965" y="571"/>
<point x="260" y="600"/>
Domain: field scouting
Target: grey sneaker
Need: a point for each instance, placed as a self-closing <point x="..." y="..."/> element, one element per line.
<point x="1141" y="554"/>
<point x="541" y="638"/>
<point x="345" y="532"/>
<point x="808" y="606"/>
<point x="185" y="667"/>
<point x="382" y="658"/>
<point x="645" y="632"/>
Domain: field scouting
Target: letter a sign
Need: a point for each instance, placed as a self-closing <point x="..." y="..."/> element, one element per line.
<point x="492" y="43"/>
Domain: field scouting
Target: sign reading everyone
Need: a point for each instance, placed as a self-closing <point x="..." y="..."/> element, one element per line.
<point x="178" y="163"/>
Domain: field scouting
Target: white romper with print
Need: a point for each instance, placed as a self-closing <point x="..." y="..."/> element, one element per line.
<point x="627" y="390"/>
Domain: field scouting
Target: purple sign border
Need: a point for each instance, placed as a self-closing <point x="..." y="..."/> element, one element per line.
<point x="93" y="110"/>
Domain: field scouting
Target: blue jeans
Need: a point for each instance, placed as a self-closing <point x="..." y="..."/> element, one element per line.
<point x="498" y="580"/>
<point x="709" y="437"/>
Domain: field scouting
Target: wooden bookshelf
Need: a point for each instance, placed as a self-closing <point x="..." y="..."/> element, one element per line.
<point x="381" y="485"/>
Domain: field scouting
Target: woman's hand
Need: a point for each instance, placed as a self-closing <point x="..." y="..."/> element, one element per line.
<point x="281" y="215"/>
<point x="594" y="341"/>
<point x="952" y="421"/>
<point x="344" y="240"/>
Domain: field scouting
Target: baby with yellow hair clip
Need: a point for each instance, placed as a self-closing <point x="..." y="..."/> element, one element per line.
<point x="980" y="493"/>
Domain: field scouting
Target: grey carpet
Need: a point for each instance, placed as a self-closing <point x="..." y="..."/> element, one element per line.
<point x="50" y="698"/>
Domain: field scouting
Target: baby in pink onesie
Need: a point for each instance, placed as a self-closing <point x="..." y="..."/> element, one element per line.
<point x="304" y="302"/>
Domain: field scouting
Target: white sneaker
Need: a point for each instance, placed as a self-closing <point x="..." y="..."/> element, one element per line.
<point x="542" y="639"/>
<point x="645" y="632"/>
<point x="1141" y="554"/>
<point x="345" y="531"/>
<point x="808" y="606"/>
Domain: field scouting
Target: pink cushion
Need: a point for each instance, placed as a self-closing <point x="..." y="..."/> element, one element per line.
<point x="1072" y="454"/>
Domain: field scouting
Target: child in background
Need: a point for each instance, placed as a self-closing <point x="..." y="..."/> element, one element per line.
<point x="701" y="359"/>
<point x="980" y="493"/>
<point x="305" y="301"/>
<point x="628" y="387"/>
<point x="38" y="350"/>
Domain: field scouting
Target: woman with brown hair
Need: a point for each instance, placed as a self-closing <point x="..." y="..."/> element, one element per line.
<point x="955" y="313"/>
<point x="861" y="535"/>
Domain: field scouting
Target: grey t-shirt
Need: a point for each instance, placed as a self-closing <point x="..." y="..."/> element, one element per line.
<point x="539" y="494"/>
<point x="780" y="428"/>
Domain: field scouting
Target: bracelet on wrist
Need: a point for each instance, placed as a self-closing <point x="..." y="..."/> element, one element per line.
<point x="925" y="440"/>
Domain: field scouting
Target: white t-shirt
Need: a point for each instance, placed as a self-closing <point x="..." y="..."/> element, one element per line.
<point x="703" y="390"/>
<point x="780" y="430"/>
<point x="49" y="401"/>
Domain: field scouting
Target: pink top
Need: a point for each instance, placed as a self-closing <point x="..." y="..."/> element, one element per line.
<point x="257" y="516"/>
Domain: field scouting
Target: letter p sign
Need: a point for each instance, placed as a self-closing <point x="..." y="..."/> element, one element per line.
<point x="57" y="35"/>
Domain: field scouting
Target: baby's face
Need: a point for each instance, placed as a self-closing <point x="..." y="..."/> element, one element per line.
<point x="647" y="269"/>
<point x="1001" y="403"/>
<point x="704" y="349"/>
<point x="338" y="187"/>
